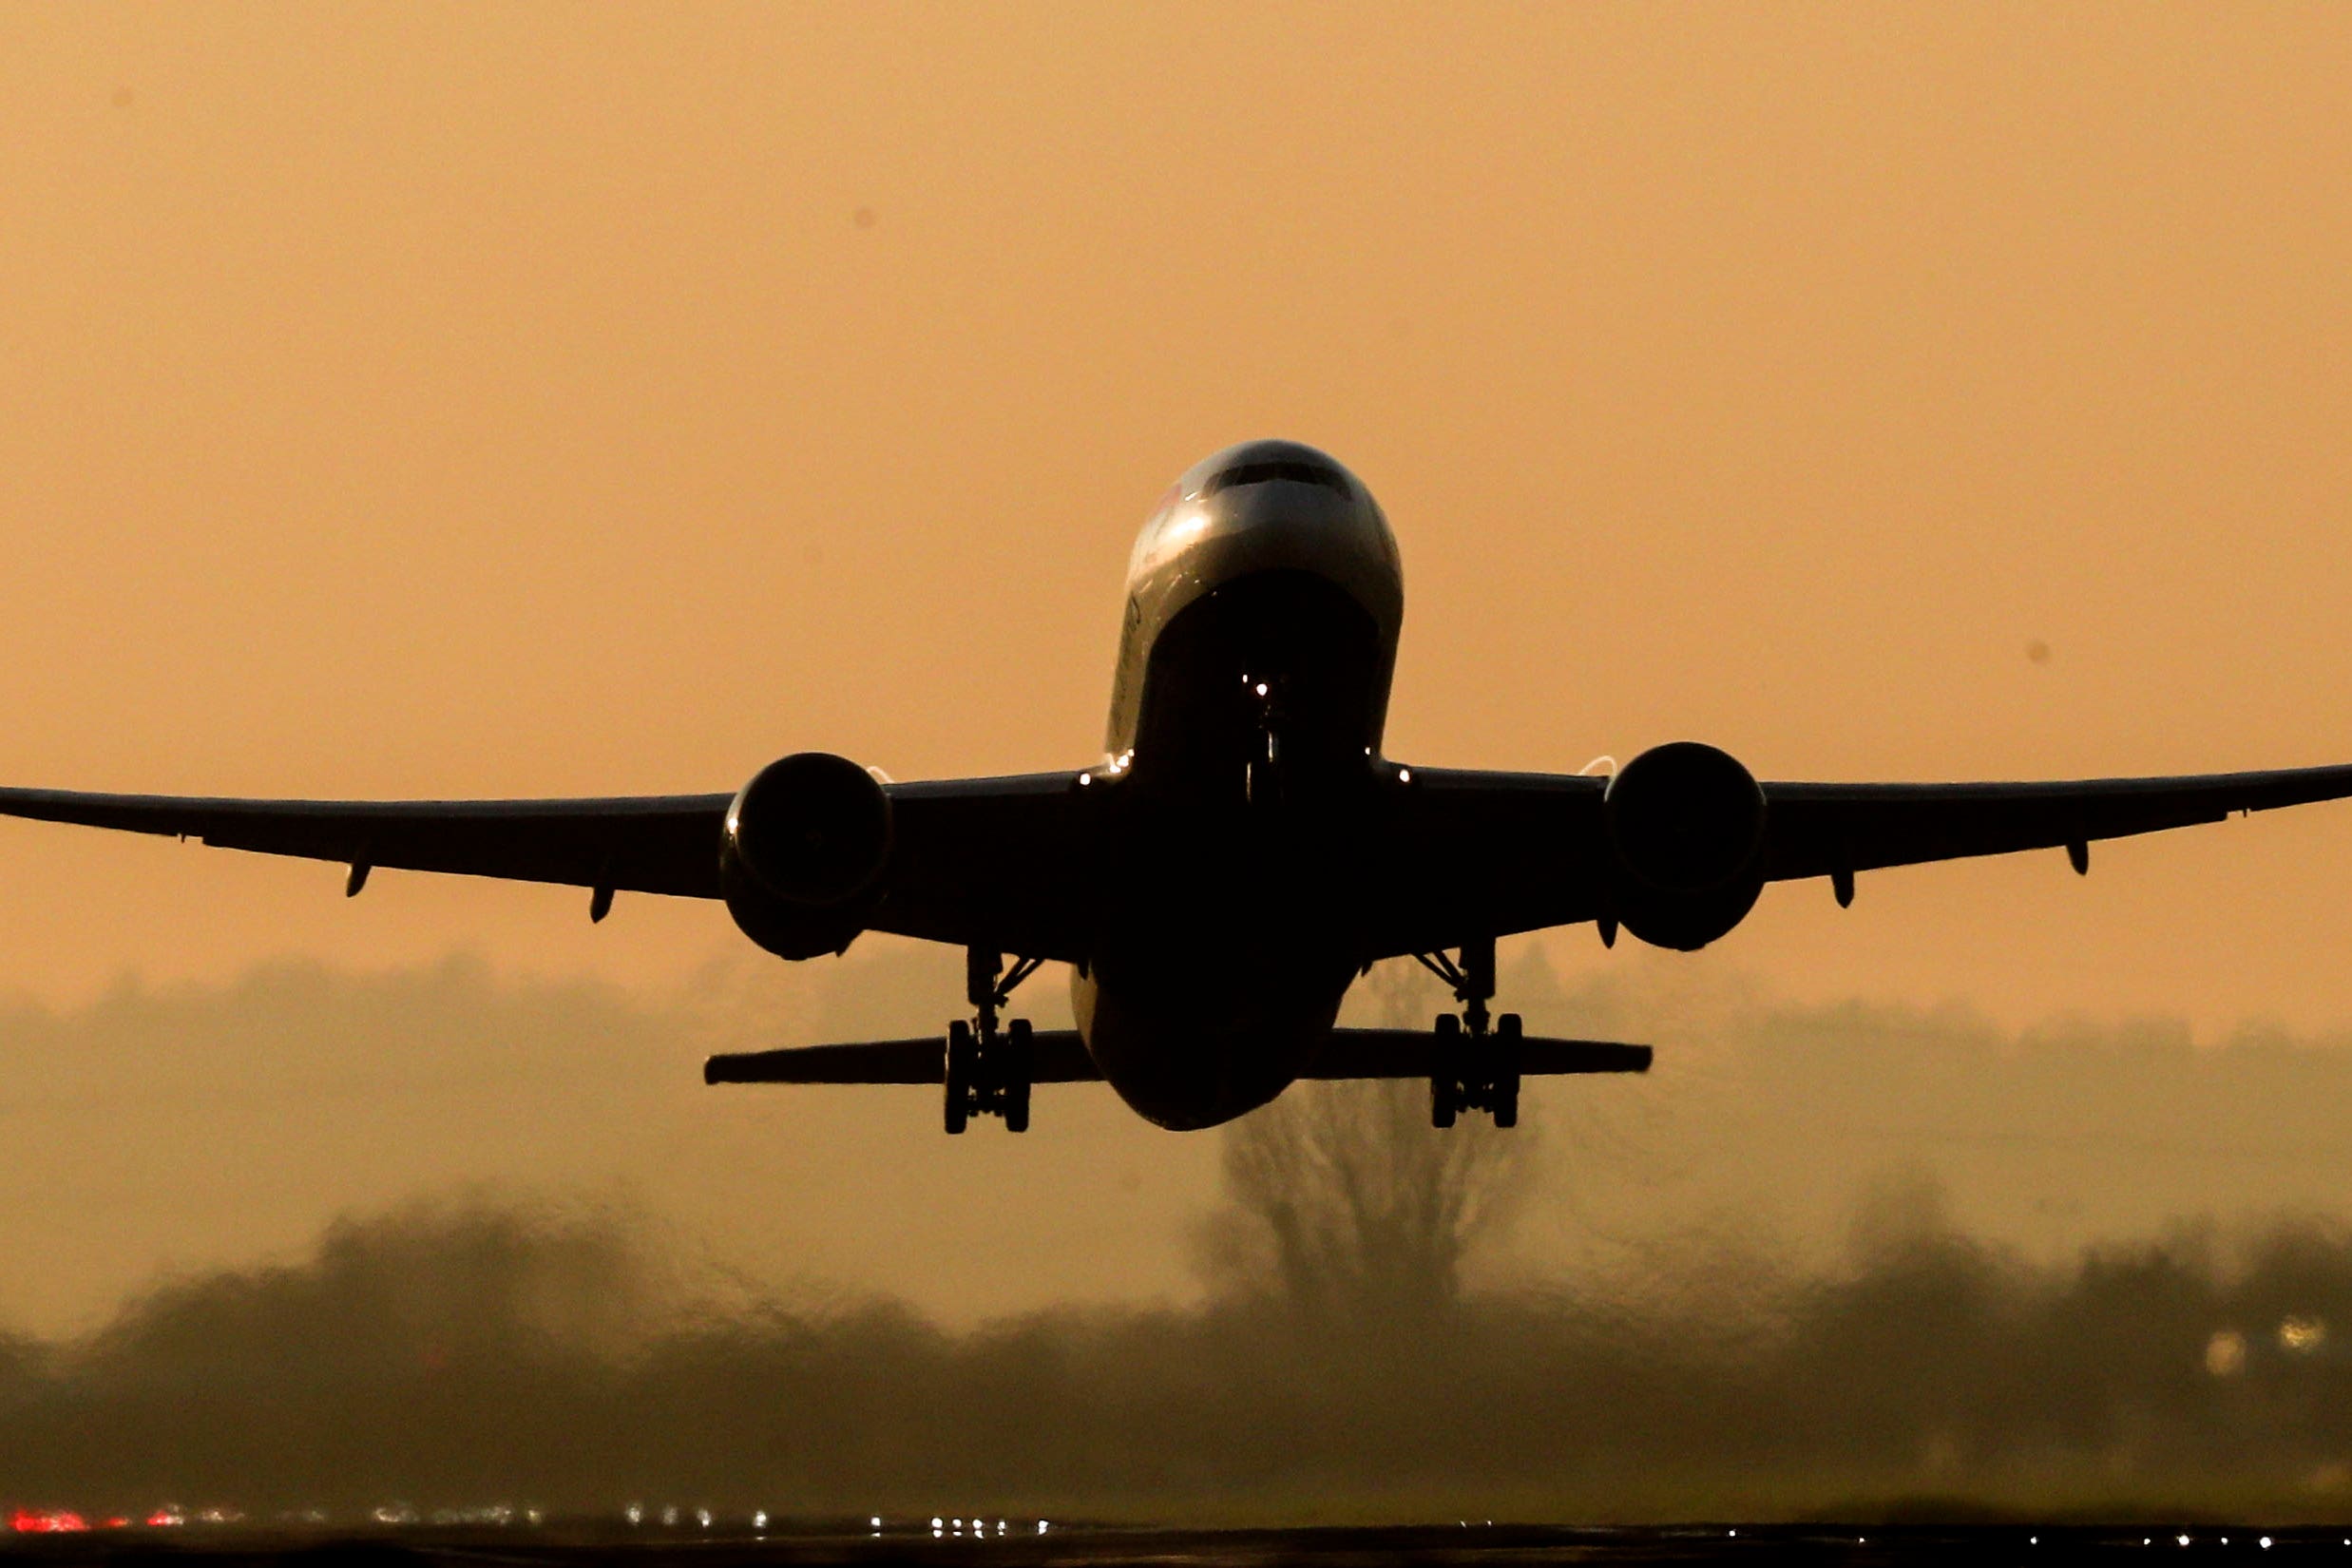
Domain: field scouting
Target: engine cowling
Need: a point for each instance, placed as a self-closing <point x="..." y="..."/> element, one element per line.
<point x="1686" y="831"/>
<point x="806" y="844"/>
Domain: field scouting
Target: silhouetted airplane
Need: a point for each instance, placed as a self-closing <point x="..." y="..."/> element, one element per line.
<point x="1241" y="854"/>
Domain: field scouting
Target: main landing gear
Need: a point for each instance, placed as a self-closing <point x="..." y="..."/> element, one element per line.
<point x="1477" y="1056"/>
<point x="988" y="1068"/>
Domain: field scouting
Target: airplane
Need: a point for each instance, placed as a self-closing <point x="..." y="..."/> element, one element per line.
<point x="1241" y="854"/>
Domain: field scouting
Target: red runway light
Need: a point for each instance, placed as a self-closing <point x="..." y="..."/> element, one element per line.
<point x="46" y="1521"/>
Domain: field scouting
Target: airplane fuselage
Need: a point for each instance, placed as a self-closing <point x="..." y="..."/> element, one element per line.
<point x="1263" y="606"/>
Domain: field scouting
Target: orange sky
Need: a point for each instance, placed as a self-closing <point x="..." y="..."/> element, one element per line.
<point x="461" y="400"/>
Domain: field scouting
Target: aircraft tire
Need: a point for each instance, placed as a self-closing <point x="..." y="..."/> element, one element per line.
<point x="1019" y="1061"/>
<point x="1507" y="1070"/>
<point x="958" y="1077"/>
<point x="1443" y="1095"/>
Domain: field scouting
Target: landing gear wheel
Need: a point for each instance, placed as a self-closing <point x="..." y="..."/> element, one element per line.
<point x="1020" y="1050"/>
<point x="1444" y="1090"/>
<point x="1502" y="1098"/>
<point x="963" y="1059"/>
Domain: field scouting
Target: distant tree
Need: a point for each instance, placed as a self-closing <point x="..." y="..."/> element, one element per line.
<point x="1347" y="1206"/>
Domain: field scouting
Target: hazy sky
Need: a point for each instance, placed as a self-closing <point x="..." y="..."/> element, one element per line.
<point x="452" y="400"/>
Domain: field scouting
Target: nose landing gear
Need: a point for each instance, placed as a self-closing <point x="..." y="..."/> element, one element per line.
<point x="1477" y="1054"/>
<point x="988" y="1068"/>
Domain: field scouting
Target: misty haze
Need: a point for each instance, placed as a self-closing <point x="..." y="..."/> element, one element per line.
<point x="513" y="1252"/>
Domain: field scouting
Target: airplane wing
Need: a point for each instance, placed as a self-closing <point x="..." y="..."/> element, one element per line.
<point x="653" y="844"/>
<point x="997" y="861"/>
<point x="1501" y="852"/>
<point x="1058" y="1055"/>
<point x="1004" y="861"/>
<point x="1827" y="829"/>
<point x="973" y="860"/>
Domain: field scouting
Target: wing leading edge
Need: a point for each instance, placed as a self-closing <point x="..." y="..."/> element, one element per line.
<point x="1831" y="830"/>
<point x="652" y="844"/>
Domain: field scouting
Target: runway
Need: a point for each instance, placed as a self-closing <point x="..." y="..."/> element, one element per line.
<point x="1464" y="1543"/>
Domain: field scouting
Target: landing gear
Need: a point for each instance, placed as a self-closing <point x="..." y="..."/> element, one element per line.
<point x="988" y="1068"/>
<point x="1477" y="1054"/>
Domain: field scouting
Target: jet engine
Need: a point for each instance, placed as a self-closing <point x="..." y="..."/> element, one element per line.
<point x="1686" y="831"/>
<point x="802" y="859"/>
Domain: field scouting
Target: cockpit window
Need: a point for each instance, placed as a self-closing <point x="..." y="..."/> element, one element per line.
<point x="1284" y="467"/>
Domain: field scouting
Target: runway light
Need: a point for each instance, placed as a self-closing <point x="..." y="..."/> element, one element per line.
<point x="47" y="1521"/>
<point x="1041" y="1530"/>
<point x="634" y="1512"/>
<point x="2265" y="1543"/>
<point x="702" y="1516"/>
<point x="2183" y="1540"/>
<point x="934" y="1522"/>
<point x="1404" y="776"/>
<point x="875" y="1522"/>
<point x="1261" y="688"/>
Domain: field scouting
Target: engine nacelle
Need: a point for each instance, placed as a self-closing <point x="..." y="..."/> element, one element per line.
<point x="801" y="862"/>
<point x="1686" y="830"/>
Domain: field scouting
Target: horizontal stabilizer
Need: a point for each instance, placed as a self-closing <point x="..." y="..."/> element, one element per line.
<point x="1414" y="1053"/>
<point x="1057" y="1055"/>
